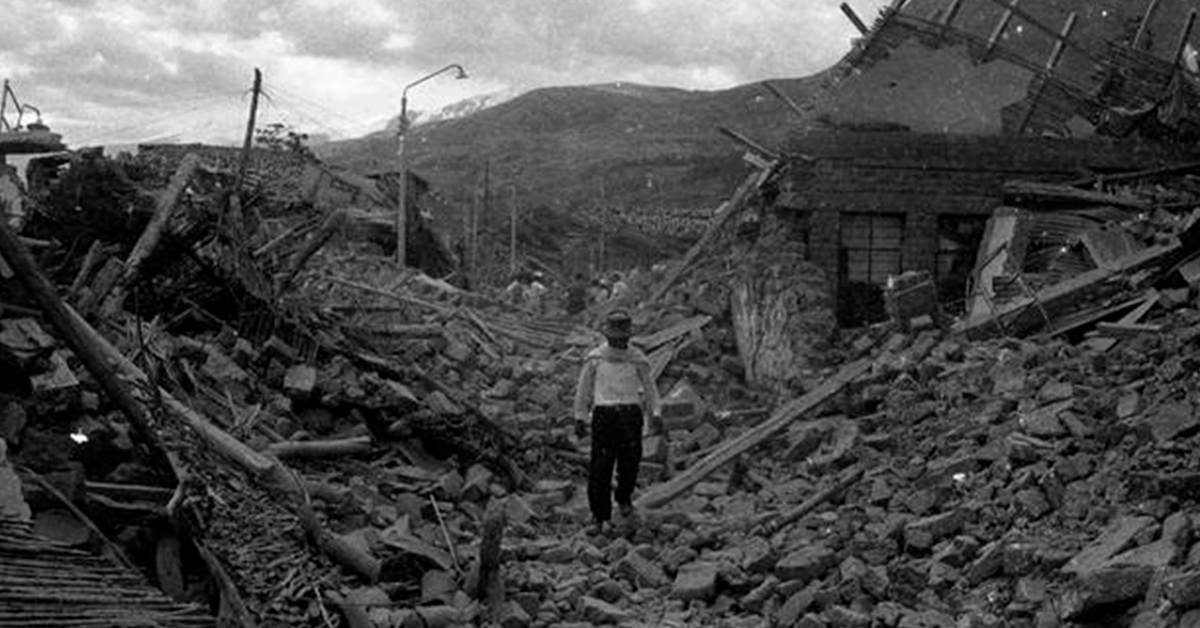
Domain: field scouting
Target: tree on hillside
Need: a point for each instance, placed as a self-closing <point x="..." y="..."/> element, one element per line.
<point x="282" y="137"/>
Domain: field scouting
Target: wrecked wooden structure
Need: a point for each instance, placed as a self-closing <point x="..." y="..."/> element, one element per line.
<point x="948" y="111"/>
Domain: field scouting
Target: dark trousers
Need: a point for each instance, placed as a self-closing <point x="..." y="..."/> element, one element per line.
<point x="616" y="439"/>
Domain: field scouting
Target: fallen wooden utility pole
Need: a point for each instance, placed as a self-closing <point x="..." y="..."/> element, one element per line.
<point x="268" y="471"/>
<point x="320" y="449"/>
<point x="731" y="207"/>
<point x="726" y="452"/>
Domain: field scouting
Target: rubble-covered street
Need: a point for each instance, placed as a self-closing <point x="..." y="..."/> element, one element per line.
<point x="909" y="379"/>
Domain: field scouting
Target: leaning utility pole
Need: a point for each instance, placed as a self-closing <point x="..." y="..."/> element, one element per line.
<point x="237" y="221"/>
<point x="244" y="162"/>
<point x="512" y="232"/>
<point x="483" y="207"/>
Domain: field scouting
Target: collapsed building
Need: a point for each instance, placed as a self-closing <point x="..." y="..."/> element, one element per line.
<point x="332" y="441"/>
<point x="945" y="108"/>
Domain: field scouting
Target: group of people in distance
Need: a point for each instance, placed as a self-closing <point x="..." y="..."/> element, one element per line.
<point x="530" y="291"/>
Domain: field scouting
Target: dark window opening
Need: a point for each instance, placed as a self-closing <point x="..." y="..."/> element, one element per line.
<point x="871" y="249"/>
<point x="958" y="245"/>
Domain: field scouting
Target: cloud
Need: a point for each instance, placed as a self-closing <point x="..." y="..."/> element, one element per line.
<point x="94" y="62"/>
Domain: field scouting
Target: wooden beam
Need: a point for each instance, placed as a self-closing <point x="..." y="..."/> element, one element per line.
<point x="725" y="453"/>
<point x="1051" y="63"/>
<point x="1057" y="192"/>
<point x="951" y="13"/>
<point x="153" y="232"/>
<point x="1001" y="26"/>
<point x="1126" y="330"/>
<point x="1142" y="28"/>
<point x="82" y="344"/>
<point x="854" y="19"/>
<point x="729" y="208"/>
<point x="791" y="104"/>
<point x="1011" y="6"/>
<point x="749" y="143"/>
<point x="1184" y="36"/>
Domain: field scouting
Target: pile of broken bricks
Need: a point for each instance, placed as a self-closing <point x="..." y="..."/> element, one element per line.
<point x="997" y="483"/>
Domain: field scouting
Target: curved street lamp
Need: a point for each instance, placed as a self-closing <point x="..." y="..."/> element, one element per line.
<point x="402" y="213"/>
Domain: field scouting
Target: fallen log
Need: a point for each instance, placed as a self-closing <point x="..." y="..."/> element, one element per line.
<point x="90" y="259"/>
<point x="153" y="232"/>
<point x="268" y="471"/>
<point x="356" y="616"/>
<point x="82" y="343"/>
<point x="728" y="209"/>
<point x="338" y="548"/>
<point x="775" y="521"/>
<point x="725" y="453"/>
<point x="1060" y="193"/>
<point x="653" y="341"/>
<point x="287" y="450"/>
<point x="330" y="227"/>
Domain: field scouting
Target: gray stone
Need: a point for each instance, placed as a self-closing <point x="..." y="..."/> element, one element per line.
<point x="457" y="351"/>
<point x="477" y="483"/>
<point x="756" y="599"/>
<point x="449" y="487"/>
<point x="1177" y="529"/>
<point x="12" y="499"/>
<point x="704" y="436"/>
<point x="924" y="533"/>
<point x="300" y="381"/>
<point x="513" y="615"/>
<point x="1033" y="502"/>
<point x="559" y="554"/>
<point x="1127" y="405"/>
<point x="1117" y="537"/>
<point x="811" y="621"/>
<point x="518" y="511"/>
<point x="794" y="607"/>
<point x="1056" y="391"/>
<point x="1171" y="421"/>
<point x="989" y="563"/>
<point x="842" y="617"/>
<point x="608" y="590"/>
<point x="757" y="556"/>
<point x="1158" y="554"/>
<point x="696" y="581"/>
<point x="641" y="572"/>
<point x="1183" y="590"/>
<point x="673" y="558"/>
<point x="926" y="619"/>
<point x="806" y="564"/>
<point x="598" y="611"/>
<point x="12" y="422"/>
<point x="1104" y="587"/>
<point x="1044" y="422"/>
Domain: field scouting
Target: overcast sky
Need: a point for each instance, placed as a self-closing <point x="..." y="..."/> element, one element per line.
<point x="119" y="71"/>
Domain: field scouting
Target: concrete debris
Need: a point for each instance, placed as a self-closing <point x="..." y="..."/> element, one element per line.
<point x="320" y="432"/>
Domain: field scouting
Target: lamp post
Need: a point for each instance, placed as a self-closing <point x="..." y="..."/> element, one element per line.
<point x="402" y="213"/>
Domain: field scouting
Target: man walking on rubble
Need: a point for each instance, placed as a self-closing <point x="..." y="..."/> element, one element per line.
<point x="615" y="392"/>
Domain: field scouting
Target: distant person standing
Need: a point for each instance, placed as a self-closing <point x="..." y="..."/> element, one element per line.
<point x="517" y="292"/>
<point x="536" y="292"/>
<point x="577" y="295"/>
<point x="614" y="393"/>
<point x="619" y="288"/>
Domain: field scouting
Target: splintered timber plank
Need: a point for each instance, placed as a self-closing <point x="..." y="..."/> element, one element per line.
<point x="726" y="452"/>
